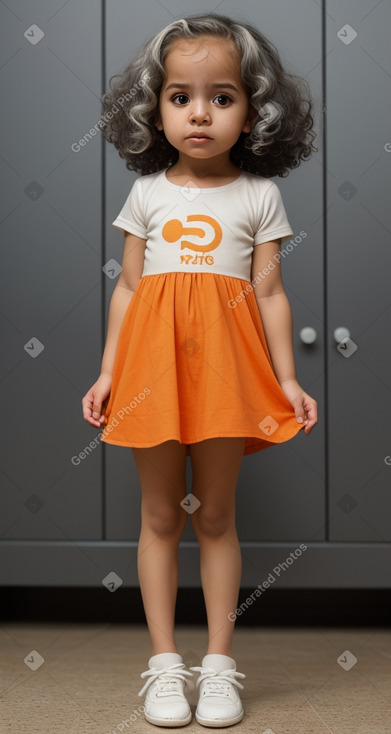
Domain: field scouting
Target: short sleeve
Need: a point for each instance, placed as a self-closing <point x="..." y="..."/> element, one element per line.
<point x="131" y="217"/>
<point x="273" y="220"/>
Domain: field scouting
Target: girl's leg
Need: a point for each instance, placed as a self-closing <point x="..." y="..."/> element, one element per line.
<point x="162" y="473"/>
<point x="215" y="466"/>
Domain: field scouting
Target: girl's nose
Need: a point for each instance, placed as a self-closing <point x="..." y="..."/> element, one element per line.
<point x="199" y="113"/>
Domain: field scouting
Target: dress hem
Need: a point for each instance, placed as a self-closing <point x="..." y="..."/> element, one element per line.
<point x="250" y="448"/>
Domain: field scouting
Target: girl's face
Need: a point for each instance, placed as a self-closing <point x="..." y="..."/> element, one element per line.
<point x="202" y="93"/>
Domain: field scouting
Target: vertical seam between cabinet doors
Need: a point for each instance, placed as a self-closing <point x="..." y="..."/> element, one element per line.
<point x="325" y="279"/>
<point x="103" y="256"/>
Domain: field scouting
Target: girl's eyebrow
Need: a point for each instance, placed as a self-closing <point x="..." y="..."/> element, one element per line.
<point x="218" y="85"/>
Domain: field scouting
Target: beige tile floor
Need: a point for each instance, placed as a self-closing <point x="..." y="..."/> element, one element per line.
<point x="90" y="676"/>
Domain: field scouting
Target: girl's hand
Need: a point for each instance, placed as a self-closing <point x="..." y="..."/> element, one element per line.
<point x="93" y="399"/>
<point x="305" y="407"/>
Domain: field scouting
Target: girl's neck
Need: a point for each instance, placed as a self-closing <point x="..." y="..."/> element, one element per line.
<point x="203" y="172"/>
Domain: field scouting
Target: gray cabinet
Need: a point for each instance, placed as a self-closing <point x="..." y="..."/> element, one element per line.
<point x="358" y="274"/>
<point x="71" y="505"/>
<point x="51" y="297"/>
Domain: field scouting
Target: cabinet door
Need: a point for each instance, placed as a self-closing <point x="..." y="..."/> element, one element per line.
<point x="50" y="299"/>
<point x="281" y="491"/>
<point x="358" y="269"/>
<point x="125" y="31"/>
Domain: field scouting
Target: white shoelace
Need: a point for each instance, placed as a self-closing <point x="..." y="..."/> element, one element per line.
<point x="170" y="678"/>
<point x="218" y="683"/>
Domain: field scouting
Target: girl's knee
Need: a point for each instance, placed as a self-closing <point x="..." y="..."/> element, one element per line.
<point x="163" y="519"/>
<point x="212" y="521"/>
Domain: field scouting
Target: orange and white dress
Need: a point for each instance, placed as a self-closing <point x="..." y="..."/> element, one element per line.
<point x="192" y="360"/>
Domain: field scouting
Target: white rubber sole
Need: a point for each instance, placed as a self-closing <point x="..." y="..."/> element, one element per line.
<point x="219" y="724"/>
<point x="168" y="722"/>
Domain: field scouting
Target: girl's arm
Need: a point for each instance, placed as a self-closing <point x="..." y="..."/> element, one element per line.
<point x="132" y="267"/>
<point x="275" y="311"/>
<point x="276" y="317"/>
<point x="119" y="303"/>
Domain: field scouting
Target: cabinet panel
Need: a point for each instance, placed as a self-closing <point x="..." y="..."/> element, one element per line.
<point x="50" y="300"/>
<point x="125" y="31"/>
<point x="281" y="491"/>
<point x="359" y="264"/>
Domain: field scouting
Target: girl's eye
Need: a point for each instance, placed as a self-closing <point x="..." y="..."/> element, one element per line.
<point x="223" y="99"/>
<point x="181" y="97"/>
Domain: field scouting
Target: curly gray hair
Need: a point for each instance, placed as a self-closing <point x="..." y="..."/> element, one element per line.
<point x="282" y="132"/>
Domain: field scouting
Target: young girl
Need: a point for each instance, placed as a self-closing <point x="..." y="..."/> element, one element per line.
<point x="199" y="357"/>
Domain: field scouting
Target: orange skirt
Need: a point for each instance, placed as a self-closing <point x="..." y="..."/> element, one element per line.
<point x="189" y="367"/>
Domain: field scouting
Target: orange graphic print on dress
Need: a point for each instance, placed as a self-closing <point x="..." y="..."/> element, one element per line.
<point x="173" y="230"/>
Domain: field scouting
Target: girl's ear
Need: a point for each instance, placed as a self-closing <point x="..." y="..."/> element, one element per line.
<point x="159" y="123"/>
<point x="251" y="115"/>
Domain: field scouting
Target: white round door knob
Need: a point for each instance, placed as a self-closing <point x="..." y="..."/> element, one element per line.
<point x="308" y="335"/>
<point x="341" y="333"/>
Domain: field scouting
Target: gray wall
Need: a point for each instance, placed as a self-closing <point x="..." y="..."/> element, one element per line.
<point x="72" y="522"/>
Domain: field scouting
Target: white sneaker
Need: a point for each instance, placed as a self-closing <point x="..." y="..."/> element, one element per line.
<point x="219" y="702"/>
<point x="165" y="703"/>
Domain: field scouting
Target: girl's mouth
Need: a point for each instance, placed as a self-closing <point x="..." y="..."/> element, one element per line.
<point x="198" y="138"/>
